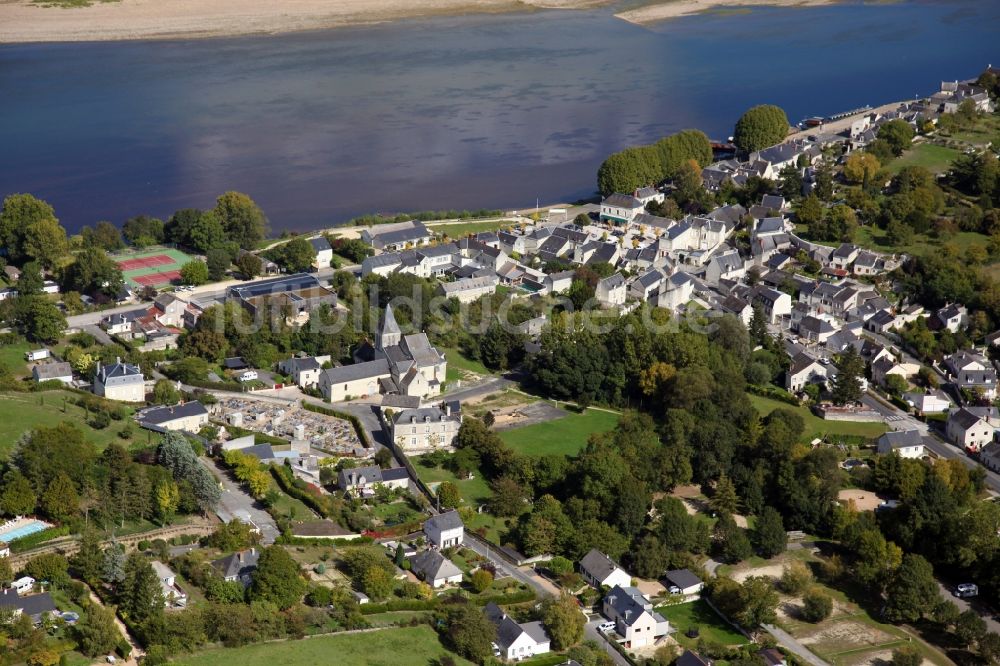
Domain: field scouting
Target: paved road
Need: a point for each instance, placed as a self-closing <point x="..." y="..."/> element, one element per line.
<point x="235" y="500"/>
<point x="485" y="387"/>
<point x="974" y="603"/>
<point x="786" y="641"/>
<point x="591" y="632"/>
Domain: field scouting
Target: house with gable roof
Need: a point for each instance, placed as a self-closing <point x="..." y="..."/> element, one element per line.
<point x="621" y="208"/>
<point x="905" y="443"/>
<point x="611" y="291"/>
<point x="445" y="529"/>
<point x="635" y="620"/>
<point x="516" y="641"/>
<point x="600" y="570"/>
<point x="435" y="569"/>
<point x="969" y="429"/>
<point x="804" y="370"/>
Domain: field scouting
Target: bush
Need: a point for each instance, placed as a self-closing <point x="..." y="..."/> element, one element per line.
<point x="906" y="655"/>
<point x="795" y="578"/>
<point x="816" y="605"/>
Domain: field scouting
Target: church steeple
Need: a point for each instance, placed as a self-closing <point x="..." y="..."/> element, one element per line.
<point x="388" y="330"/>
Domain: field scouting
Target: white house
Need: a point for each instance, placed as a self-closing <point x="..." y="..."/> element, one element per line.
<point x="435" y="569"/>
<point x="470" y="289"/>
<point x="931" y="402"/>
<point x="634" y="617"/>
<point x="60" y="372"/>
<point x="600" y="570"/>
<point x="120" y="381"/>
<point x="967" y="429"/>
<point x="804" y="370"/>
<point x="353" y="381"/>
<point x="611" y="291"/>
<point x="173" y="595"/>
<point x="445" y="529"/>
<point x="516" y="641"/>
<point x="362" y="481"/>
<point x="189" y="416"/>
<point x="304" y="370"/>
<point x="683" y="581"/>
<point x="906" y="443"/>
<point x="324" y="253"/>
<point x="621" y="208"/>
<point x="422" y="429"/>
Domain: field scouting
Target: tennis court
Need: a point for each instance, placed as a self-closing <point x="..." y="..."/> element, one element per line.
<point x="155" y="267"/>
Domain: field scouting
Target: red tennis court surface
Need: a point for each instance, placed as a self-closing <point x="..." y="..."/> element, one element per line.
<point x="154" y="279"/>
<point x="145" y="262"/>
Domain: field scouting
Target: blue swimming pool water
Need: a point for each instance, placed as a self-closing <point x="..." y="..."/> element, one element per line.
<point x="23" y="531"/>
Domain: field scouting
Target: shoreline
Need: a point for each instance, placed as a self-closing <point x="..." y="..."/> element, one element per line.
<point x="27" y="22"/>
<point x="664" y="11"/>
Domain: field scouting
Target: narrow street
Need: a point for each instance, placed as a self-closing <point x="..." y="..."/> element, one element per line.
<point x="235" y="501"/>
<point x="786" y="641"/>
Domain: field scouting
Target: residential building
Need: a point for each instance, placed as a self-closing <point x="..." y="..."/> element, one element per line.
<point x="188" y="416"/>
<point x="399" y="236"/>
<point x="362" y="481"/>
<point x="683" y="581"/>
<point x="358" y="380"/>
<point x="634" y="617"/>
<point x="324" y="253"/>
<point x="35" y="606"/>
<point x="967" y="429"/>
<point x="772" y="657"/>
<point x="559" y="282"/>
<point x="647" y="285"/>
<point x="725" y="266"/>
<point x="418" y="430"/>
<point x="804" y="370"/>
<point x="516" y="641"/>
<point x="689" y="658"/>
<point x="989" y="456"/>
<point x="611" y="291"/>
<point x="435" y="569"/>
<point x="776" y="304"/>
<point x="173" y="595"/>
<point x="905" y="443"/>
<point x="238" y="566"/>
<point x="120" y="381"/>
<point x="47" y="372"/>
<point x="952" y="317"/>
<point x="467" y="290"/>
<point x="676" y="291"/>
<point x="304" y="371"/>
<point x="445" y="529"/>
<point x="972" y="372"/>
<point x="930" y="402"/>
<point x="621" y="208"/>
<point x="600" y="570"/>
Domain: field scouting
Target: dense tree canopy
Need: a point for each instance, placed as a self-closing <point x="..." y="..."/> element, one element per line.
<point x="760" y="127"/>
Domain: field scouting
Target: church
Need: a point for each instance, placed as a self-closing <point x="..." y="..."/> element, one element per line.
<point x="394" y="364"/>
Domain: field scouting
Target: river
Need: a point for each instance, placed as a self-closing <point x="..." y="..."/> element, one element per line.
<point x="462" y="112"/>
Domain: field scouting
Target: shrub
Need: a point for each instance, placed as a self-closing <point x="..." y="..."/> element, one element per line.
<point x="816" y="605"/>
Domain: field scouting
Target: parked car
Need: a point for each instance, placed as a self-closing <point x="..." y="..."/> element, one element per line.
<point x="966" y="590"/>
<point x="605" y="627"/>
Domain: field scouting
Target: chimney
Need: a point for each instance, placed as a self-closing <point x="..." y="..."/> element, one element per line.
<point x="447" y="409"/>
<point x="628" y="614"/>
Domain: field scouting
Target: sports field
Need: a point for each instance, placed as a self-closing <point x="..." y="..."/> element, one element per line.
<point x="156" y="267"/>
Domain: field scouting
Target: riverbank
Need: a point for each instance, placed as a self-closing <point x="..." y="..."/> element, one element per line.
<point x="23" y="21"/>
<point x="677" y="8"/>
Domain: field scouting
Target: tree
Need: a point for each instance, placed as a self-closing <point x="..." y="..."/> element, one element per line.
<point x="217" y="261"/>
<point x="140" y="598"/>
<point x="295" y="256"/>
<point x="113" y="567"/>
<point x="377" y="582"/>
<point x="60" y="501"/>
<point x="913" y="592"/>
<point x="165" y="392"/>
<point x="242" y="219"/>
<point x="508" y="496"/>
<point x="17" y="498"/>
<point x="770" y="537"/>
<point x="847" y="384"/>
<point x="51" y="567"/>
<point x="791" y="182"/>
<point x="45" y="241"/>
<point x="194" y="273"/>
<point x="989" y="648"/>
<point x="206" y="232"/>
<point x="178" y="226"/>
<point x="562" y="618"/>
<point x="877" y="559"/>
<point x="796" y="578"/>
<point x="809" y="210"/>
<point x="168" y="497"/>
<point x="469" y="632"/>
<point x="6" y="572"/>
<point x="816" y="605"/>
<point x="861" y="167"/>
<point x="249" y="265"/>
<point x="96" y="632"/>
<point x="481" y="579"/>
<point x="30" y="282"/>
<point x="143" y="230"/>
<point x="759" y="602"/>
<point x="39" y="319"/>
<point x="970" y="628"/>
<point x="383" y="458"/>
<point x="18" y="214"/>
<point x="907" y="655"/>
<point x="88" y="561"/>
<point x="732" y="540"/>
<point x="760" y="127"/>
<point x="628" y="170"/>
<point x="175" y="453"/>
<point x="724" y="498"/>
<point x="93" y="272"/>
<point x="898" y="134"/>
<point x="448" y="495"/>
<point x="277" y="579"/>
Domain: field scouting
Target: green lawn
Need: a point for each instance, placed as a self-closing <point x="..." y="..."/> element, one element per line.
<point x="21" y="412"/>
<point x="699" y="614"/>
<point x="410" y="646"/>
<point x="936" y="159"/>
<point x="474" y="491"/>
<point x="459" y="365"/>
<point x="466" y="228"/>
<point x="561" y="436"/>
<point x="286" y="505"/>
<point x="875" y="238"/>
<point x="12" y="358"/>
<point x="815" y="426"/>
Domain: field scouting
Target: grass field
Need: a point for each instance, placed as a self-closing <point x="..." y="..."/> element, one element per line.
<point x="564" y="436"/>
<point x="466" y="228"/>
<point x="709" y="624"/>
<point x="474" y="491"/>
<point x="138" y="276"/>
<point x="410" y="646"/>
<point x="12" y="358"/>
<point x="21" y="412"/>
<point x="815" y="426"/>
<point x="460" y="367"/>
<point x="875" y="239"/>
<point x="935" y="159"/>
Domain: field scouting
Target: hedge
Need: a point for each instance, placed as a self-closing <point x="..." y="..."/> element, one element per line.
<point x="431" y="604"/>
<point x="33" y="540"/>
<point x="218" y="386"/>
<point x="358" y="428"/>
<point x="287" y="483"/>
<point x="774" y="393"/>
<point x="292" y="540"/>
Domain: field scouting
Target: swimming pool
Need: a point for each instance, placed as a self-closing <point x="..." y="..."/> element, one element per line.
<point x="23" y="530"/>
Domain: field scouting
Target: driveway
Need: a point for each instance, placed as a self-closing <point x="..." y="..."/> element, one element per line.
<point x="235" y="501"/>
<point x="590" y="632"/>
<point x="786" y="641"/>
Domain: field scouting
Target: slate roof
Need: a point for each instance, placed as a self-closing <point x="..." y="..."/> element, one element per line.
<point x="118" y="369"/>
<point x="32" y="605"/>
<point x="320" y="243"/>
<point x="259" y="451"/>
<point x="161" y="415"/>
<point x="281" y="285"/>
<point x="689" y="658"/>
<point x="598" y="564"/>
<point x="433" y="565"/>
<point x="683" y="578"/>
<point x="445" y="521"/>
<point x="347" y="373"/>
<point x="964" y="418"/>
<point x="622" y="201"/>
<point x="53" y="371"/>
<point x="238" y="564"/>
<point x="629" y="604"/>
<point x="898" y="439"/>
<point x="613" y="281"/>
